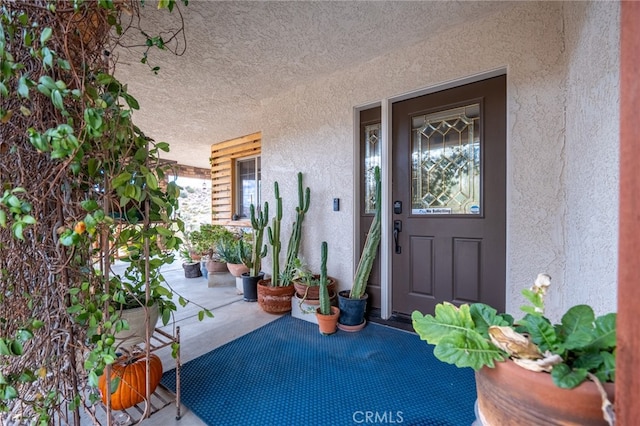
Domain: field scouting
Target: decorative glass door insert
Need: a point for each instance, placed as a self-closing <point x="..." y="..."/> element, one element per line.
<point x="372" y="158"/>
<point x="445" y="156"/>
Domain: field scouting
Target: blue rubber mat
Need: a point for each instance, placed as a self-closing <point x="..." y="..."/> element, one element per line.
<point x="287" y="373"/>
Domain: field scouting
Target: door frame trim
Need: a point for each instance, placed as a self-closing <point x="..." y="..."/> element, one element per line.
<point x="387" y="162"/>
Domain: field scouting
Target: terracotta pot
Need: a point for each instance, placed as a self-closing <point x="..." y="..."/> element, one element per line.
<point x="274" y="300"/>
<point x="237" y="269"/>
<point x="214" y="266"/>
<point x="327" y="324"/>
<point x="511" y="395"/>
<point x="307" y="292"/>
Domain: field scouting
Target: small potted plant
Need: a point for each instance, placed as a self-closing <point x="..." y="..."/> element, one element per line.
<point x="190" y="265"/>
<point x="307" y="284"/>
<point x="326" y="314"/>
<point x="250" y="279"/>
<point x="353" y="302"/>
<point x="512" y="359"/>
<point x="234" y="253"/>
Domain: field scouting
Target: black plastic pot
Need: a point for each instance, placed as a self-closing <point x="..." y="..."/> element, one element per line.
<point x="351" y="310"/>
<point x="250" y="286"/>
<point x="192" y="270"/>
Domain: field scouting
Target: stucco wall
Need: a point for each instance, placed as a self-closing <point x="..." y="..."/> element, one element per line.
<point x="592" y="148"/>
<point x="310" y="129"/>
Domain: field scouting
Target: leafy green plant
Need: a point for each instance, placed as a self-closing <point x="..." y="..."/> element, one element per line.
<point x="81" y="184"/>
<point x="581" y="346"/>
<point x="205" y="240"/>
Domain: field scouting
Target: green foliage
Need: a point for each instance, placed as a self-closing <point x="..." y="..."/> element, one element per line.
<point x="273" y="233"/>
<point x="205" y="240"/>
<point x="80" y="182"/>
<point x="234" y="251"/>
<point x="586" y="344"/>
<point x="293" y="247"/>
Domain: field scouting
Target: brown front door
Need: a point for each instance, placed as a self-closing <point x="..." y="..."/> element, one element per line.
<point x="448" y="195"/>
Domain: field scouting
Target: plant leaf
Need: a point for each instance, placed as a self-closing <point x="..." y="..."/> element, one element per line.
<point x="564" y="377"/>
<point x="448" y="318"/>
<point x="542" y="332"/>
<point x="468" y="349"/>
<point x="577" y="326"/>
<point x="605" y="332"/>
<point x="485" y="316"/>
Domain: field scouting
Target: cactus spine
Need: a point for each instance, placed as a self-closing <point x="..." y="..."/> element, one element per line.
<point x="296" y="232"/>
<point x="274" y="238"/>
<point x="370" y="245"/>
<point x="258" y="250"/>
<point x="325" y="305"/>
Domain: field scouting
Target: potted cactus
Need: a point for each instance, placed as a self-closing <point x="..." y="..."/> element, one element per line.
<point x="353" y="302"/>
<point x="326" y="314"/>
<point x="250" y="279"/>
<point x="275" y="293"/>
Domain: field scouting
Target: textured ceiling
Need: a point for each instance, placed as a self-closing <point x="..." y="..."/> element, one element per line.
<point x="238" y="53"/>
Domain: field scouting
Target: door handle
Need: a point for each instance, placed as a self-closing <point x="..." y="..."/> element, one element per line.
<point x="397" y="228"/>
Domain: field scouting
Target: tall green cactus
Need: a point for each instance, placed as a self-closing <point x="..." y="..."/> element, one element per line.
<point x="274" y="239"/>
<point x="293" y="246"/>
<point x="325" y="303"/>
<point x="370" y="245"/>
<point x="258" y="250"/>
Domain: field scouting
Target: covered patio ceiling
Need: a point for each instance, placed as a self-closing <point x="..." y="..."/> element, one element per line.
<point x="240" y="52"/>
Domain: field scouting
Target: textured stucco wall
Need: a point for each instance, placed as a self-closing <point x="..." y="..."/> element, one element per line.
<point x="310" y="129"/>
<point x="592" y="148"/>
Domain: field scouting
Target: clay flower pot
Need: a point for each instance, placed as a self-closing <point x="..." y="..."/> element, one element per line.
<point x="237" y="269"/>
<point x="274" y="300"/>
<point x="509" y="394"/>
<point x="328" y="324"/>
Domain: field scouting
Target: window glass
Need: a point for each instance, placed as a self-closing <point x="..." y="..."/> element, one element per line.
<point x="248" y="185"/>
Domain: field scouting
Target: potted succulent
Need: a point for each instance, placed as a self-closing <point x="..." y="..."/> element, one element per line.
<point x="275" y="293"/>
<point x="326" y="314"/>
<point x="251" y="278"/>
<point x="530" y="369"/>
<point x="307" y="284"/>
<point x="234" y="253"/>
<point x="353" y="302"/>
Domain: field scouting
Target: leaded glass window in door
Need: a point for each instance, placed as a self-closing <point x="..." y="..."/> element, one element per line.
<point x="372" y="158"/>
<point x="446" y="167"/>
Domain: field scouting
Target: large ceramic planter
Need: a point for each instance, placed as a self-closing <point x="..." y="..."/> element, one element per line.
<point x="274" y="300"/>
<point x="351" y="311"/>
<point x="327" y="324"/>
<point x="192" y="270"/>
<point x="309" y="293"/>
<point x="237" y="269"/>
<point x="136" y="319"/>
<point x="250" y="286"/>
<point x="511" y="395"/>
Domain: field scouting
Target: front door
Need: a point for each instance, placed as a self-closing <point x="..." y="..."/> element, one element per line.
<point x="448" y="195"/>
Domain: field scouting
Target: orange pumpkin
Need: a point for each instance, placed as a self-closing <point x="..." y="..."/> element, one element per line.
<point x="132" y="387"/>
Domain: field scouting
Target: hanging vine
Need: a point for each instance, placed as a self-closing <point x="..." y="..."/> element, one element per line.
<point x="76" y="179"/>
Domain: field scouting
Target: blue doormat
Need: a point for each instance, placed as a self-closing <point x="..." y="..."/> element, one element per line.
<point x="287" y="373"/>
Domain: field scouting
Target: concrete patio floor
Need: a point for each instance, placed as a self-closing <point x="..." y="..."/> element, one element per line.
<point x="233" y="317"/>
